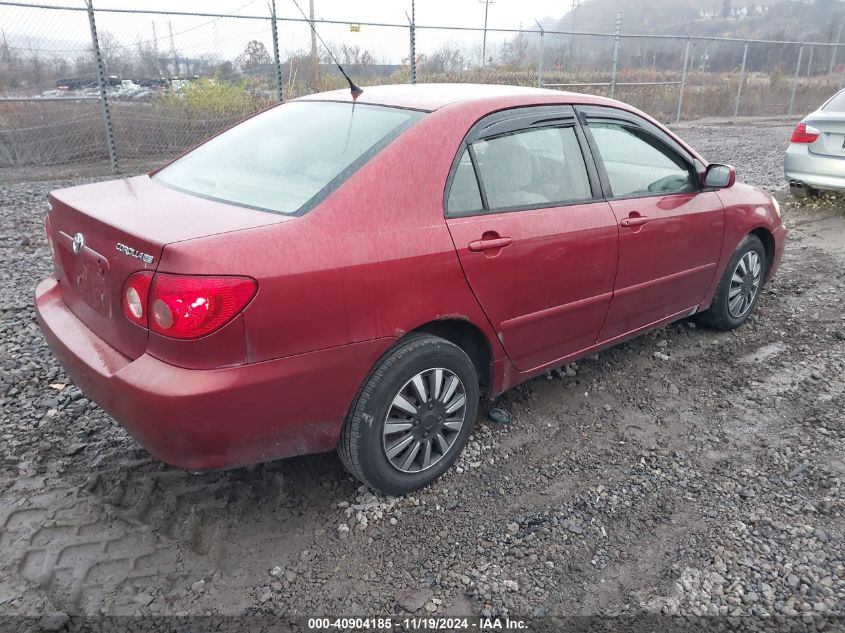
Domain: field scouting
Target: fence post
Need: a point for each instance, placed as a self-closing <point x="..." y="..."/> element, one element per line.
<point x="835" y="49"/>
<point x="683" y="82"/>
<point x="810" y="61"/>
<point x="487" y="4"/>
<point x="101" y="82"/>
<point x="413" y="59"/>
<point x="540" y="59"/>
<point x="842" y="79"/>
<point x="615" y="54"/>
<point x="741" y="81"/>
<point x="276" y="62"/>
<point x="795" y="79"/>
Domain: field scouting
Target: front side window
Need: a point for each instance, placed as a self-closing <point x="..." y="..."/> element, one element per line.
<point x="532" y="168"/>
<point x="286" y="158"/>
<point x="638" y="164"/>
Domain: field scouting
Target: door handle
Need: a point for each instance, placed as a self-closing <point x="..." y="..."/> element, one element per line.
<point x="636" y="220"/>
<point x="489" y="244"/>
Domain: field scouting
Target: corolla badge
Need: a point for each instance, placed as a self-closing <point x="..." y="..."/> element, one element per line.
<point x="128" y="250"/>
<point x="78" y="243"/>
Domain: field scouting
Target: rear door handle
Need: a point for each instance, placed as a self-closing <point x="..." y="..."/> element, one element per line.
<point x="489" y="244"/>
<point x="634" y="221"/>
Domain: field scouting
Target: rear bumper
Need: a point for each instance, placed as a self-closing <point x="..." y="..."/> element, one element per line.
<point x="821" y="172"/>
<point x="210" y="419"/>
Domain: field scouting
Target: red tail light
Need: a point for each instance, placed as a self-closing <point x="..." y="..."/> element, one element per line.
<point x="185" y="307"/>
<point x="136" y="292"/>
<point x="804" y="133"/>
<point x="49" y="234"/>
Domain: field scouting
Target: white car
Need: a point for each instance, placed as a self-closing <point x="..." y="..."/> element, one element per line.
<point x="815" y="159"/>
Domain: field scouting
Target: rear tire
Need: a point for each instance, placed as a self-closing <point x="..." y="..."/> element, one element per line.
<point x="803" y="192"/>
<point x="739" y="288"/>
<point x="412" y="416"/>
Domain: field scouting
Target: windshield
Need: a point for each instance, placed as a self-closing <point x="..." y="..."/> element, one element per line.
<point x="288" y="158"/>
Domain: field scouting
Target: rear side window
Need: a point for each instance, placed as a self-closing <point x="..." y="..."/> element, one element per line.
<point x="288" y="158"/>
<point x="532" y="168"/>
<point x="837" y="104"/>
<point x="638" y="164"/>
<point x="464" y="196"/>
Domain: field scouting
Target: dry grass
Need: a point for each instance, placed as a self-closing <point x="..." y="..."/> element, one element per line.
<point x="57" y="132"/>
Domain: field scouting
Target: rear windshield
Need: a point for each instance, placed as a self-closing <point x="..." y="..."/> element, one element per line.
<point x="837" y="104"/>
<point x="289" y="158"/>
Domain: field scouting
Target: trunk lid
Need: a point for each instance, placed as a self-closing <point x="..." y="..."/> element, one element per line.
<point x="831" y="142"/>
<point x="124" y="226"/>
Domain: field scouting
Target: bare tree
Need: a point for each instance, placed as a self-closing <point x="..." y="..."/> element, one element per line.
<point x="9" y="64"/>
<point x="114" y="55"/>
<point x="356" y="56"/>
<point x="254" y="56"/>
<point x="151" y="63"/>
<point x="517" y="51"/>
<point x="447" y="58"/>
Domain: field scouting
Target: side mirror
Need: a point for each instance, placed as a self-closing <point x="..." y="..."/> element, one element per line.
<point x="719" y="176"/>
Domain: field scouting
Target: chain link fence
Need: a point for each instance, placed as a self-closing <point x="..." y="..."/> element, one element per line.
<point x="78" y="83"/>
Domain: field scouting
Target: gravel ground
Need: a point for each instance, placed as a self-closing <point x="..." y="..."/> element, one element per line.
<point x="686" y="472"/>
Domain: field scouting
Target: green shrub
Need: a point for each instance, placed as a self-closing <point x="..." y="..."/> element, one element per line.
<point x="210" y="98"/>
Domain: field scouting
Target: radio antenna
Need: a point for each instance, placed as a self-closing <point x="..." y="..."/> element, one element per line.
<point x="355" y="90"/>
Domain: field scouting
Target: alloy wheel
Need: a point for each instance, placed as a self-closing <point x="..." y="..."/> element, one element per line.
<point x="745" y="283"/>
<point x="424" y="420"/>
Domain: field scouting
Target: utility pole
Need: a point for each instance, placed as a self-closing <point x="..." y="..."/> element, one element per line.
<point x="486" y="4"/>
<point x="173" y="50"/>
<point x="315" y="62"/>
<point x="156" y="54"/>
<point x="573" y="11"/>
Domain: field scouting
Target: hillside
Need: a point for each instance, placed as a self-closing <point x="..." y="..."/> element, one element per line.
<point x="818" y="20"/>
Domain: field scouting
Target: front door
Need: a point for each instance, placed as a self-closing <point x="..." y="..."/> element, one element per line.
<point x="537" y="247"/>
<point x="670" y="231"/>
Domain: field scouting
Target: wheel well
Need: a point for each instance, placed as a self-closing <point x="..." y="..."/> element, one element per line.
<point x="470" y="339"/>
<point x="768" y="244"/>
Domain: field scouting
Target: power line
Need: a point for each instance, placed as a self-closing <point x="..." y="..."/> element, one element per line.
<point x="134" y="44"/>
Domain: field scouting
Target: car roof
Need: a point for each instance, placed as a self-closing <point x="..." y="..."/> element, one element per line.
<point x="431" y="97"/>
<point x="487" y="97"/>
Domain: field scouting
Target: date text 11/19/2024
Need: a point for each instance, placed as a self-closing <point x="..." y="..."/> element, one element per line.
<point x="386" y="623"/>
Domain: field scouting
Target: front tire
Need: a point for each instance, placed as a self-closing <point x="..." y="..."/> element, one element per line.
<point x="412" y="417"/>
<point x="739" y="289"/>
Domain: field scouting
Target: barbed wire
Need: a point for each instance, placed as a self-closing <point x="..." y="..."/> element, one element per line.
<point x="169" y="92"/>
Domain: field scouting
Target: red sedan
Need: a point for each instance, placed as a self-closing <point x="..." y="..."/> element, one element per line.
<point x="352" y="275"/>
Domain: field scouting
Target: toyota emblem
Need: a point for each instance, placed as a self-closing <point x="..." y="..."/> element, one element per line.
<point x="78" y="243"/>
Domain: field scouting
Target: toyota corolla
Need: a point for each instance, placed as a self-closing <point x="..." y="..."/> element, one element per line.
<point x="352" y="274"/>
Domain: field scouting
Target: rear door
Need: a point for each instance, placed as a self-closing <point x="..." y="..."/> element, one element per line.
<point x="537" y="243"/>
<point x="670" y="231"/>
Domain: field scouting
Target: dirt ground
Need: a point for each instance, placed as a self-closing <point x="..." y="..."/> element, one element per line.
<point x="685" y="472"/>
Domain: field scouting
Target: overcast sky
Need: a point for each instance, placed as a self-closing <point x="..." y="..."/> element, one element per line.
<point x="48" y="32"/>
<point x="503" y="13"/>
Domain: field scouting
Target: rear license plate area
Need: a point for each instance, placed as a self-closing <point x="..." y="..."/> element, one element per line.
<point x="87" y="273"/>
